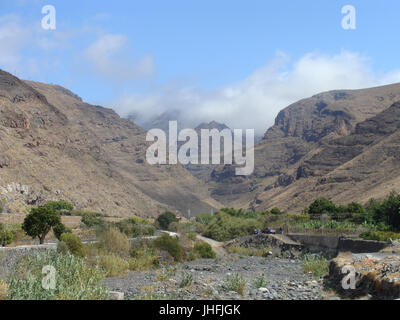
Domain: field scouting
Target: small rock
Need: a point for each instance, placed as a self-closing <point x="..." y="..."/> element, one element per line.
<point x="115" y="295"/>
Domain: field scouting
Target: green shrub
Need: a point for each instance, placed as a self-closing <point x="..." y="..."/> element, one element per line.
<point x="165" y="219"/>
<point x="169" y="244"/>
<point x="74" y="244"/>
<point x="240" y="213"/>
<point x="387" y="211"/>
<point x="92" y="219"/>
<point x="143" y="259"/>
<point x="260" y="282"/>
<point x="204" y="218"/>
<point x="75" y="280"/>
<point x="62" y="247"/>
<point x="225" y="227"/>
<point x="204" y="250"/>
<point x="186" y="281"/>
<point x="235" y="283"/>
<point x="321" y="206"/>
<point x="59" y="206"/>
<point x="276" y="211"/>
<point x="6" y="236"/>
<point x="59" y="229"/>
<point x="299" y="218"/>
<point x="315" y="264"/>
<point x="114" y="242"/>
<point x="131" y="228"/>
<point x="113" y="265"/>
<point x="192" y="236"/>
<point x="379" y="235"/>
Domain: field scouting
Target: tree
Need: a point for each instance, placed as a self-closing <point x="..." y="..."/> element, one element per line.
<point x="355" y="207"/>
<point x="321" y="206"/>
<point x="165" y="219"/>
<point x="60" y="229"/>
<point x="39" y="222"/>
<point x="59" y="206"/>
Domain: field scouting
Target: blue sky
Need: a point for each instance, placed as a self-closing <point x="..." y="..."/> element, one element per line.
<point x="206" y="58"/>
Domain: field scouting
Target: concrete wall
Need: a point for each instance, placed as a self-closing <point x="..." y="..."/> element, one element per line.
<point x="333" y="244"/>
<point x="317" y="243"/>
<point x="361" y="246"/>
<point x="9" y="256"/>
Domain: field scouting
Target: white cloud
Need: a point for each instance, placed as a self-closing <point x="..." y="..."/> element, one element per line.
<point x="255" y="101"/>
<point x="108" y="58"/>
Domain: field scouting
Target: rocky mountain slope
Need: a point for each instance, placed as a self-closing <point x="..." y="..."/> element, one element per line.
<point x="338" y="144"/>
<point x="55" y="146"/>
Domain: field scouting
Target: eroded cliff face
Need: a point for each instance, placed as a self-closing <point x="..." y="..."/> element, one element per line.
<point x="62" y="148"/>
<point x="309" y="140"/>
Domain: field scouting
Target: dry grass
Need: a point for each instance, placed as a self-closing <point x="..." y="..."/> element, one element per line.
<point x="257" y="252"/>
<point x="114" y="242"/>
<point x="113" y="265"/>
<point x="3" y="290"/>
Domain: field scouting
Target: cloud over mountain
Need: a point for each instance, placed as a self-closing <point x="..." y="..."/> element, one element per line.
<point x="255" y="101"/>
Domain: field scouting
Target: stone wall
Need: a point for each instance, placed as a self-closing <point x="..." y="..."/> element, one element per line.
<point x="9" y="256"/>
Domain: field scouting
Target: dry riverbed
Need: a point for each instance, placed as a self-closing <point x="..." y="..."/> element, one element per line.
<point x="263" y="279"/>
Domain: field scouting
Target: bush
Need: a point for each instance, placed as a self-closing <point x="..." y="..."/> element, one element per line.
<point x="113" y="265"/>
<point x="62" y="247"/>
<point x="204" y="250"/>
<point x="114" y="242"/>
<point x="169" y="244"/>
<point x="143" y="259"/>
<point x="165" y="219"/>
<point x="59" y="206"/>
<point x="388" y="211"/>
<point x="321" y="206"/>
<point x="379" y="235"/>
<point x="192" y="236"/>
<point x="39" y="222"/>
<point x="240" y="213"/>
<point x="260" y="282"/>
<point x="6" y="236"/>
<point x="225" y="227"/>
<point x="315" y="264"/>
<point x="131" y="228"/>
<point x="186" y="281"/>
<point x="75" y="280"/>
<point x="235" y="283"/>
<point x="74" y="244"/>
<point x="204" y="218"/>
<point x="276" y="211"/>
<point x="3" y="290"/>
<point x="59" y="229"/>
<point x="299" y="218"/>
<point x="92" y="219"/>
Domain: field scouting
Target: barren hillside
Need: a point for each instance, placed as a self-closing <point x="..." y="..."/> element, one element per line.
<point x="54" y="146"/>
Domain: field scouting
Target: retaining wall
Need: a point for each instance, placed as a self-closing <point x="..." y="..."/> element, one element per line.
<point x="333" y="244"/>
<point x="9" y="256"/>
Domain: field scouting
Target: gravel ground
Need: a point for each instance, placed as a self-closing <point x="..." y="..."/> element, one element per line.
<point x="284" y="280"/>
